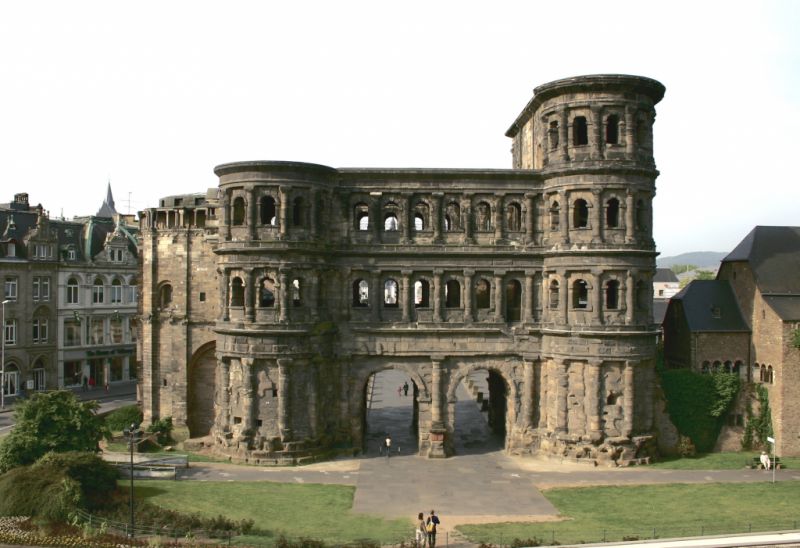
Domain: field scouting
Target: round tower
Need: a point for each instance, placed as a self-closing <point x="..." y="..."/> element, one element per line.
<point x="591" y="139"/>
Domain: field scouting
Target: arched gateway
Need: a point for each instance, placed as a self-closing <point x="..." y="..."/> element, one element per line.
<point x="523" y="273"/>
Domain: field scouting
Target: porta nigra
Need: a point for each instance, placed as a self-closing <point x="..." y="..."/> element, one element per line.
<point x="269" y="302"/>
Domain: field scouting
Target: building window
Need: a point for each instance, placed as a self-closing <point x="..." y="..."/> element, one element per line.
<point x="483" y="217"/>
<point x="72" y="291"/>
<point x="71" y="255"/>
<point x="580" y="214"/>
<point x="298" y="212"/>
<point x="612" y="213"/>
<point x="482" y="294"/>
<point x="72" y="333"/>
<point x="390" y="223"/>
<point x="360" y="293"/>
<point x="641" y="215"/>
<point x="95" y="331"/>
<point x="580" y="294"/>
<point x="40" y="330"/>
<point x="513" y="301"/>
<point x="419" y="222"/>
<point x="116" y="291"/>
<point x="238" y="211"/>
<point x="10" y="332"/>
<point x="267" y="211"/>
<point x="116" y="330"/>
<point x="452" y="217"/>
<point x="361" y="213"/>
<point x="422" y="294"/>
<point x="10" y="289"/>
<point x="555" y="214"/>
<point x="452" y="294"/>
<point x="580" y="133"/>
<point x="97" y="291"/>
<point x="612" y="295"/>
<point x="266" y="293"/>
<point x="513" y="218"/>
<point x="11" y="381"/>
<point x="73" y="371"/>
<point x="202" y="296"/>
<point x="237" y="292"/>
<point x="133" y="294"/>
<point x="116" y="255"/>
<point x="612" y="129"/>
<point x="552" y="135"/>
<point x="297" y="293"/>
<point x="43" y="251"/>
<point x="390" y="293"/>
<point x="770" y="375"/>
<point x="554" y="294"/>
<point x="11" y="249"/>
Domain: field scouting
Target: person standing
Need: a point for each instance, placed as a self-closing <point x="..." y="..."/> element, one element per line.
<point x="421" y="534"/>
<point x="430" y="527"/>
<point x="387" y="444"/>
<point x="405" y="388"/>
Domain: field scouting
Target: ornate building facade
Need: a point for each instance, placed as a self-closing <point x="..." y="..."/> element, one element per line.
<point x="269" y="302"/>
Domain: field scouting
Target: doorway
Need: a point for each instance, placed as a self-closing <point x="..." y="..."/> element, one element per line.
<point x="390" y="407"/>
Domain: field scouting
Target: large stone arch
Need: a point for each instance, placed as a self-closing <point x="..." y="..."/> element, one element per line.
<point x="509" y="368"/>
<point x="362" y="370"/>
<point x="201" y="389"/>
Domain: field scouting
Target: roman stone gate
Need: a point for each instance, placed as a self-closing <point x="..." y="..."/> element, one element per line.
<point x="309" y="279"/>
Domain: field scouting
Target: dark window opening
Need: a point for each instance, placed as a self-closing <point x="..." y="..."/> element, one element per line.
<point x="360" y="293"/>
<point x="580" y="214"/>
<point x="361" y="214"/>
<point x="552" y="135"/>
<point x="482" y="294"/>
<point x="513" y="301"/>
<point x="513" y="217"/>
<point x="580" y="132"/>
<point x="238" y="211"/>
<point x="612" y="213"/>
<point x="298" y="212"/>
<point x="554" y="294"/>
<point x="612" y="129"/>
<point x="612" y="295"/>
<point x="555" y="216"/>
<point x="166" y="296"/>
<point x="202" y="296"/>
<point x="297" y="295"/>
<point x="266" y="293"/>
<point x="267" y="211"/>
<point x="580" y="294"/>
<point x="237" y="292"/>
<point x="452" y="294"/>
<point x="422" y="294"/>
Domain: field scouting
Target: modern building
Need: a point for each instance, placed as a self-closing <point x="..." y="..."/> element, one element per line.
<point x="747" y="321"/>
<point x="268" y="303"/>
<point x="665" y="284"/>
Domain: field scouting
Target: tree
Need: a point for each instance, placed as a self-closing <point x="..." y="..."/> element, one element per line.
<point x="705" y="275"/>
<point x="681" y="268"/>
<point x="54" y="421"/>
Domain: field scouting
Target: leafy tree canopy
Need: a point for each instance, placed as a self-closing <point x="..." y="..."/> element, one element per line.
<point x="53" y="421"/>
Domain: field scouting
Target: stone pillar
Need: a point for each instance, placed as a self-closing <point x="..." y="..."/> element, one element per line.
<point x="563" y="213"/>
<point x="468" y="314"/>
<point x="436" y="216"/>
<point x="466" y="221"/>
<point x="312" y="213"/>
<point x="530" y="223"/>
<point x="628" y="132"/>
<point x="408" y="219"/>
<point x="405" y="295"/>
<point x="225" y="229"/>
<point x="565" y="297"/>
<point x="438" y="429"/>
<point x="498" y="218"/>
<point x="629" y="224"/>
<point x="248" y="400"/>
<point x="249" y="295"/>
<point x="223" y="395"/>
<point x="527" y="298"/>
<point x="283" y="213"/>
<point x="283" y="296"/>
<point x="224" y="301"/>
<point x="591" y="383"/>
<point x="313" y="294"/>
<point x="597" y="306"/>
<point x="252" y="212"/>
<point x="437" y="295"/>
<point x="597" y="215"/>
<point x="597" y="134"/>
<point x="563" y="135"/>
<point x="627" y="422"/>
<point x="284" y="426"/>
<point x="527" y="394"/>
<point x="562" y="387"/>
<point x="375" y="296"/>
<point x="629" y="289"/>
<point x="347" y="296"/>
<point x="376" y="222"/>
<point x="498" y="296"/>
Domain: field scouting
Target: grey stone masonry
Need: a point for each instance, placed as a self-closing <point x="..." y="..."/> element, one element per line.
<point x="271" y="301"/>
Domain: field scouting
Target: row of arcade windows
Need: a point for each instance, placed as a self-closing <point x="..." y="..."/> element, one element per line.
<point x="114" y="295"/>
<point x="580" y="131"/>
<point x="718" y="366"/>
<point x="764" y="372"/>
<point x="580" y="214"/>
<point x="267" y="211"/>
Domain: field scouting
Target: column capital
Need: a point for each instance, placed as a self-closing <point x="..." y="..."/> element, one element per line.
<point x="595" y="362"/>
<point x="469" y="272"/>
<point x="406" y="272"/>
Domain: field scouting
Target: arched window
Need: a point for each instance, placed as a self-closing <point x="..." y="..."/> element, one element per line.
<point x="513" y="301"/>
<point x="298" y="211"/>
<point x="452" y="217"/>
<point x="266" y="293"/>
<point x="297" y="292"/>
<point x="762" y="376"/>
<point x="165" y="296"/>
<point x="360" y="293"/>
<point x="238" y="211"/>
<point x="612" y="213"/>
<point x="390" y="293"/>
<point x="612" y="295"/>
<point x="580" y="294"/>
<point x="72" y="291"/>
<point x="422" y="294"/>
<point x="361" y="215"/>
<point x="390" y="222"/>
<point x="421" y="216"/>
<point x="267" y="211"/>
<point x="552" y="135"/>
<point x="612" y="129"/>
<point x="237" y="292"/>
<point x="641" y="215"/>
<point x="580" y="133"/>
<point x="483" y="213"/>
<point x="716" y="366"/>
<point x="555" y="216"/>
<point x="513" y="217"/>
<point x="11" y="380"/>
<point x="728" y="366"/>
<point x="419" y="222"/>
<point x="580" y="214"/>
<point x="705" y="369"/>
<point x="98" y="291"/>
<point x="452" y="294"/>
<point x="554" y="294"/>
<point x="737" y="366"/>
<point x="116" y="291"/>
<point x="482" y="294"/>
<point x="770" y="375"/>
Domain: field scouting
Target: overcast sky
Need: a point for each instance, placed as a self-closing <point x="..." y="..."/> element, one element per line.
<point x="153" y="95"/>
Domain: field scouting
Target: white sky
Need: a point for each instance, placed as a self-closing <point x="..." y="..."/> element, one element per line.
<point x="155" y="94"/>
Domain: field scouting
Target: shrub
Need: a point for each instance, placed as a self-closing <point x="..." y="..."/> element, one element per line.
<point x="163" y="430"/>
<point x="122" y="418"/>
<point x="97" y="478"/>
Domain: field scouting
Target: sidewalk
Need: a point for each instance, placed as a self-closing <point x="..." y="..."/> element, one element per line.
<point x="116" y="391"/>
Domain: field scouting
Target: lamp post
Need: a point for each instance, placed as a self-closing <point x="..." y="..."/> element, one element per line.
<point x="131" y="432"/>
<point x="3" y="358"/>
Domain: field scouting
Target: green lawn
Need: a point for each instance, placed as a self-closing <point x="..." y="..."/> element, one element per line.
<point x="719" y="461"/>
<point x="672" y="510"/>
<point x="122" y="447"/>
<point x="294" y="510"/>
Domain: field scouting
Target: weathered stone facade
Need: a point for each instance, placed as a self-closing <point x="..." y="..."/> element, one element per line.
<point x="269" y="304"/>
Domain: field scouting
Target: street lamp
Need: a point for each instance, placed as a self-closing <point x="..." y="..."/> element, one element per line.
<point x="3" y="359"/>
<point x="132" y="434"/>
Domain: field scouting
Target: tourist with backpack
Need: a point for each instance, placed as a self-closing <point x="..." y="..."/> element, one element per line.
<point x="430" y="527"/>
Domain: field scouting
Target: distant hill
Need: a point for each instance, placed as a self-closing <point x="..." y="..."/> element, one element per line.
<point x="701" y="259"/>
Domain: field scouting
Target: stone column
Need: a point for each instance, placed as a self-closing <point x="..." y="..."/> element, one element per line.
<point x="313" y="294"/>
<point x="249" y="295"/>
<point x="437" y="295"/>
<point x="627" y="422"/>
<point x="530" y="224"/>
<point x="375" y="296"/>
<point x="224" y="301"/>
<point x="628" y="131"/>
<point x="527" y="298"/>
<point x="347" y="297"/>
<point x="225" y="229"/>
<point x="563" y="135"/>
<point x="283" y="213"/>
<point x="527" y="394"/>
<point x="284" y="426"/>
<point x="597" y="306"/>
<point x="223" y="395"/>
<point x="468" y="314"/>
<point x="597" y="215"/>
<point x="438" y="429"/>
<point x="248" y="400"/>
<point x="629" y="289"/>
<point x="408" y="219"/>
<point x="312" y="213"/>
<point x="436" y="216"/>
<point x="563" y="213"/>
<point x="629" y="224"/>
<point x="498" y="296"/>
<point x="591" y="382"/>
<point x="498" y="217"/>
<point x="562" y="387"/>
<point x="565" y="297"/>
<point x="376" y="221"/>
<point x="252" y="212"/>
<point x="283" y="296"/>
<point x="466" y="221"/>
<point x="597" y="134"/>
<point x="405" y="295"/>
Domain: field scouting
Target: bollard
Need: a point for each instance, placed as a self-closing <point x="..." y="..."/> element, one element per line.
<point x="654" y="532"/>
<point x="701" y="530"/>
<point x="749" y="527"/>
<point x="604" y="535"/>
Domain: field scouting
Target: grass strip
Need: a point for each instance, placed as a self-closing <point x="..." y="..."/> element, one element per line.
<point x="719" y="461"/>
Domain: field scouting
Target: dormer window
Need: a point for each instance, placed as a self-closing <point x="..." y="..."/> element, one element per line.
<point x="116" y="255"/>
<point x="11" y="249"/>
<point x="43" y="251"/>
<point x="72" y="255"/>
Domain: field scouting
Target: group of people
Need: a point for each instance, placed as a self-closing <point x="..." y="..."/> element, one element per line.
<point x="426" y="529"/>
<point x="402" y="389"/>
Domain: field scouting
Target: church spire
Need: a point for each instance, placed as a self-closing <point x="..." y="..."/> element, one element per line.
<point x="107" y="209"/>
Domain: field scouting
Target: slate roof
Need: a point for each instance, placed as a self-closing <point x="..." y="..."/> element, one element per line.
<point x="659" y="310"/>
<point x="700" y="299"/>
<point x="665" y="275"/>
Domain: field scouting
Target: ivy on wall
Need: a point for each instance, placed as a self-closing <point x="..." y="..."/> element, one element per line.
<point x="758" y="427"/>
<point x="698" y="403"/>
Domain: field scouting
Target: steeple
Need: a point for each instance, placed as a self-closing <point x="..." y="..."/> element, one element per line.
<point x="107" y="209"/>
